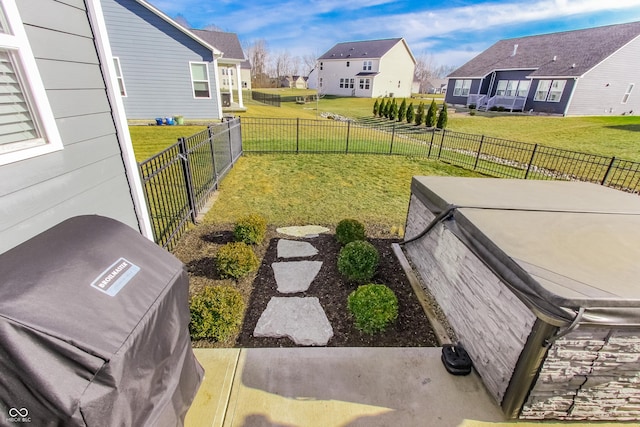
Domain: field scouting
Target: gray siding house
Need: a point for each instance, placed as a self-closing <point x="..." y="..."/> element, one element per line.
<point x="164" y="69"/>
<point x="64" y="146"/>
<point x="584" y="72"/>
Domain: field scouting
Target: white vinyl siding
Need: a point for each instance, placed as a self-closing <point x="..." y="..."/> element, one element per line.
<point x="627" y="94"/>
<point x="121" y="87"/>
<point x="27" y="125"/>
<point x="550" y="90"/>
<point x="462" y="88"/>
<point x="200" y="79"/>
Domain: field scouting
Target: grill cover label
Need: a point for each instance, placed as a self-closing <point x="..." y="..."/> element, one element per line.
<point x="113" y="279"/>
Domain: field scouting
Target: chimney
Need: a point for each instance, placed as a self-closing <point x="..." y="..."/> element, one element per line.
<point x="515" y="49"/>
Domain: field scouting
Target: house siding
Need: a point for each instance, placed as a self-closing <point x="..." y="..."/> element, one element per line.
<point x="88" y="175"/>
<point x="460" y="100"/>
<point x="550" y="107"/>
<point x="154" y="57"/>
<point x="600" y="91"/>
<point x="395" y="66"/>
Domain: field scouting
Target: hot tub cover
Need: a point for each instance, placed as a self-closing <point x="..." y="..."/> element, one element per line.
<point x="94" y="329"/>
<point x="561" y="246"/>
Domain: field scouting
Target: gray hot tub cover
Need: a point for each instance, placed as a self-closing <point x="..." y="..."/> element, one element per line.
<point x="94" y="329"/>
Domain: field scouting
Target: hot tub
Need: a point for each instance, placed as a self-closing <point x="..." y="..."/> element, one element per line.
<point x="541" y="282"/>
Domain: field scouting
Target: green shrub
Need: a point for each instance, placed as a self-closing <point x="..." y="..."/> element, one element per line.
<point x="216" y="313"/>
<point x="402" y="111"/>
<point x="349" y="230"/>
<point x="442" y="117"/>
<point x="410" y="113"/>
<point x="376" y="105"/>
<point x="472" y="106"/>
<point x="432" y="115"/>
<point x="358" y="261"/>
<point x="235" y="260"/>
<point x="419" y="118"/>
<point x="373" y="307"/>
<point x="250" y="229"/>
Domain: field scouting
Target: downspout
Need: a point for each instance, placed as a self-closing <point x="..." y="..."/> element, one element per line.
<point x="566" y="108"/>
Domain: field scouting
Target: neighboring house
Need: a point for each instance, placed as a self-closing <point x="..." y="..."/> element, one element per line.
<point x="245" y="74"/>
<point x="163" y="68"/>
<point x="583" y="72"/>
<point x="434" y="86"/>
<point x="73" y="154"/>
<point x="367" y="69"/>
<point x="312" y="79"/>
<point x="296" y="82"/>
<point x="229" y="65"/>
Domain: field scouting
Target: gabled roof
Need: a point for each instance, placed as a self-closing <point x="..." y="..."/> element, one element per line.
<point x="565" y="54"/>
<point x="170" y="21"/>
<point x="228" y="43"/>
<point x="363" y="49"/>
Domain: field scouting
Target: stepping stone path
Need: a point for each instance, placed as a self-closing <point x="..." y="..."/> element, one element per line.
<point x="301" y="319"/>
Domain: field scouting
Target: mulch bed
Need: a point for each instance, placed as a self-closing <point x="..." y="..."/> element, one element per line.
<point x="411" y="329"/>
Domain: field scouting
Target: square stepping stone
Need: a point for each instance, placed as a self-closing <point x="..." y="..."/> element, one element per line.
<point x="295" y="276"/>
<point x="302" y="320"/>
<point x="295" y="248"/>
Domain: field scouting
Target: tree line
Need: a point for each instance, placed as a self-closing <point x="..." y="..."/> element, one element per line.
<point x="388" y="108"/>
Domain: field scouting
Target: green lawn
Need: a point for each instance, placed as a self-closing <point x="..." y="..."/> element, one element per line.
<point x="323" y="189"/>
<point x="150" y="140"/>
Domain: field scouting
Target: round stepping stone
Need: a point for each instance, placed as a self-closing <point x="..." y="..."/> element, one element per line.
<point x="300" y="319"/>
<point x="295" y="248"/>
<point x="295" y="276"/>
<point x="302" y="231"/>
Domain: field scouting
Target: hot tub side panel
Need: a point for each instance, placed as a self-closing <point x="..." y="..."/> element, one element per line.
<point x="490" y="321"/>
<point x="590" y="374"/>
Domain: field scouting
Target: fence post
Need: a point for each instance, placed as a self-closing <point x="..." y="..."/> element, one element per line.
<point x="479" y="150"/>
<point x="441" y="142"/>
<point x="297" y="134"/>
<point x="433" y="134"/>
<point x="213" y="155"/>
<point x="535" y="148"/>
<point x="230" y="145"/>
<point x="393" y="135"/>
<point x="186" y="170"/>
<point x="348" y="132"/>
<point x="606" y="175"/>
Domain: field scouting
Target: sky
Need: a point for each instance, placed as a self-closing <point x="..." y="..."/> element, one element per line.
<point x="451" y="32"/>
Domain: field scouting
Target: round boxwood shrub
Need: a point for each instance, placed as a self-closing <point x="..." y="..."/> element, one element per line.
<point x="373" y="307"/>
<point x="349" y="230"/>
<point x="250" y="229"/>
<point x="235" y="260"/>
<point x="216" y="313"/>
<point x="358" y="261"/>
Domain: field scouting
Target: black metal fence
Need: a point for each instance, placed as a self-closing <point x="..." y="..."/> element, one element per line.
<point x="266" y="98"/>
<point x="491" y="156"/>
<point x="178" y="180"/>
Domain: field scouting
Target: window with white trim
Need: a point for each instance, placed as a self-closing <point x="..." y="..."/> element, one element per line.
<point x="627" y="94"/>
<point x="320" y="82"/>
<point x="200" y="79"/>
<point x="366" y="65"/>
<point x="462" y="88"/>
<point x="27" y="125"/>
<point x="549" y="90"/>
<point x="365" y="83"/>
<point x="121" y="87"/>
<point x="513" y="88"/>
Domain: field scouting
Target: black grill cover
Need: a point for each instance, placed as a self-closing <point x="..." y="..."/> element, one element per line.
<point x="94" y="329"/>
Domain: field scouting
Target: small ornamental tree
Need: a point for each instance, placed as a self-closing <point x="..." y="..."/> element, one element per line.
<point x="432" y="114"/>
<point x="419" y="114"/>
<point x="442" y="117"/>
<point x="376" y="105"/>
<point x="389" y="108"/>
<point x="410" y="113"/>
<point x="394" y="110"/>
<point x="402" y="111"/>
<point x="383" y="109"/>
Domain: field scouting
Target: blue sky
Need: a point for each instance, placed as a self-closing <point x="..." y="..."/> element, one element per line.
<point x="452" y="31"/>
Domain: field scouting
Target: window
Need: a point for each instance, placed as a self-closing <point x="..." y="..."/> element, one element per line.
<point x="501" y="88"/>
<point x="627" y="94"/>
<point x="512" y="87"/>
<point x="352" y="83"/>
<point x="231" y="71"/>
<point x="518" y="88"/>
<point x="348" y="63"/>
<point x="321" y="64"/>
<point x="27" y="125"/>
<point x="342" y="83"/>
<point x="320" y="82"/>
<point x="549" y="90"/>
<point x="347" y="83"/>
<point x="116" y="63"/>
<point x="462" y="88"/>
<point x="366" y="65"/>
<point x="200" y="79"/>
<point x="224" y="71"/>
<point x="398" y="83"/>
<point x="523" y="88"/>
<point x="365" y="83"/>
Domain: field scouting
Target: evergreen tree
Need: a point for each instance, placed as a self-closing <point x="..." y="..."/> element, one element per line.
<point x="432" y="114"/>
<point x="419" y="114"/>
<point x="442" y="117"/>
<point x="402" y="111"/>
<point x="387" y="112"/>
<point x="375" y="108"/>
<point x="383" y="109"/>
<point x="410" y="113"/>
<point x="394" y="110"/>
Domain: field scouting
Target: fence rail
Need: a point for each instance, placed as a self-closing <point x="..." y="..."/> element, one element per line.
<point x="266" y="98"/>
<point x="491" y="156"/>
<point x="178" y="180"/>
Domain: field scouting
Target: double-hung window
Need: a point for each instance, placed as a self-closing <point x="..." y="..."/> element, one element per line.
<point x="366" y="65"/>
<point x="27" y="125"/>
<point x="512" y="88"/>
<point x="200" y="79"/>
<point x="549" y="90"/>
<point x="462" y="88"/>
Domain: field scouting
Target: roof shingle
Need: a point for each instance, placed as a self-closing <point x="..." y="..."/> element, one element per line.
<point x="227" y="43"/>
<point x="361" y="49"/>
